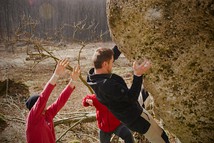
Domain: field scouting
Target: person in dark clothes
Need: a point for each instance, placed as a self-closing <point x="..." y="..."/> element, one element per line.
<point x="112" y="91"/>
<point x="107" y="122"/>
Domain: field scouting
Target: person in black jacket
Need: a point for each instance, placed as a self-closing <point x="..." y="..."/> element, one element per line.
<point x="112" y="91"/>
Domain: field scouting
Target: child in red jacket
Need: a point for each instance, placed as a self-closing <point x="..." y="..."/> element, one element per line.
<point x="107" y="122"/>
<point x="39" y="126"/>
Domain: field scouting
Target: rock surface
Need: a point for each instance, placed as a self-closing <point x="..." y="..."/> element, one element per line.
<point x="178" y="37"/>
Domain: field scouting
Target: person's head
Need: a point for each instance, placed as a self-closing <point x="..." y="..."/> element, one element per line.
<point x="31" y="101"/>
<point x="103" y="59"/>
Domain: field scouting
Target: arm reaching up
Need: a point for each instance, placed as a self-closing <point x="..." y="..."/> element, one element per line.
<point x="74" y="76"/>
<point x="60" y="69"/>
<point x="65" y="94"/>
<point x="38" y="104"/>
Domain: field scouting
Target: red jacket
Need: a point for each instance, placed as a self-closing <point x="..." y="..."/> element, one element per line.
<point x="39" y="127"/>
<point x="106" y="121"/>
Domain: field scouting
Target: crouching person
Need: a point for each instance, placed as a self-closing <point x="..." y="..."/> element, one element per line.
<point x="107" y="122"/>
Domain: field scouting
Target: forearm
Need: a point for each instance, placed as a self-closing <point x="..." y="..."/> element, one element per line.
<point x="135" y="89"/>
<point x="61" y="100"/>
<point x="53" y="79"/>
<point x="72" y="83"/>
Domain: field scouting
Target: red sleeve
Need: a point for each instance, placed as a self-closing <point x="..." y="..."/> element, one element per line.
<point x="96" y="103"/>
<point x="39" y="106"/>
<point x="54" y="108"/>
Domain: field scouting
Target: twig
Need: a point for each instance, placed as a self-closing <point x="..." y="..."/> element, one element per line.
<point x="69" y="129"/>
<point x="72" y="113"/>
<point x="86" y="118"/>
<point x="18" y="120"/>
<point x="94" y="138"/>
<point x="83" y="45"/>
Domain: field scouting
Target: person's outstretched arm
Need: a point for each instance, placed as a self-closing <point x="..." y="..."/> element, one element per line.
<point x="139" y="70"/>
<point x="40" y="104"/>
<point x="118" y="92"/>
<point x="54" y="108"/>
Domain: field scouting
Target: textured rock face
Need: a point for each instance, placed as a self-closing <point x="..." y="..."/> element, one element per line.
<point x="178" y="37"/>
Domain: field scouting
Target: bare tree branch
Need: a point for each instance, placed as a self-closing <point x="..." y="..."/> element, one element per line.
<point x="77" y="123"/>
<point x="85" y="117"/>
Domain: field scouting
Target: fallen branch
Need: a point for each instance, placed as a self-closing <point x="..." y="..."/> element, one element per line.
<point x="78" y="122"/>
<point x="89" y="117"/>
<point x="15" y="119"/>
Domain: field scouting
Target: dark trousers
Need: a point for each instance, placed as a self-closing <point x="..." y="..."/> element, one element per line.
<point x="122" y="131"/>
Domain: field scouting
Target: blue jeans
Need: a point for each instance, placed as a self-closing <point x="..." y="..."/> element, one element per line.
<point x="121" y="131"/>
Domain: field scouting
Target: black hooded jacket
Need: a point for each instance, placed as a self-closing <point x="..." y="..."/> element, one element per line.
<point x="112" y="91"/>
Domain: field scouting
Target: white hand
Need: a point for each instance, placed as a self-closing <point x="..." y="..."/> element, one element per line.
<point x="89" y="101"/>
<point x="142" y="68"/>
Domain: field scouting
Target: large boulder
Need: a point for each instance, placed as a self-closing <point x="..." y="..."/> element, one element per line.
<point x="178" y="37"/>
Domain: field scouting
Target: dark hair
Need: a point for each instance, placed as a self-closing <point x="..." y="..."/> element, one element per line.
<point x="102" y="55"/>
<point x="31" y="101"/>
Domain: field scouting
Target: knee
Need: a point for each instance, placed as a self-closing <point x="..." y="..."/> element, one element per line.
<point x="141" y="126"/>
<point x="126" y="134"/>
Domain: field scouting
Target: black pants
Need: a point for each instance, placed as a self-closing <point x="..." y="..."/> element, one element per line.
<point x="122" y="131"/>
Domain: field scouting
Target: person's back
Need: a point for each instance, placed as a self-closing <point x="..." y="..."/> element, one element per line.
<point x="122" y="101"/>
<point x="112" y="91"/>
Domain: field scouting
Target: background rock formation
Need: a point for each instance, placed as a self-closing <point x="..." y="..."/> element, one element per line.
<point x="178" y="37"/>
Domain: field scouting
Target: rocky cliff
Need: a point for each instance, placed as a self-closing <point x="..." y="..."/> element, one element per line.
<point x="178" y="37"/>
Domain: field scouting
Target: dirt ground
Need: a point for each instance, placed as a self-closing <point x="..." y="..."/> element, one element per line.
<point x="27" y="75"/>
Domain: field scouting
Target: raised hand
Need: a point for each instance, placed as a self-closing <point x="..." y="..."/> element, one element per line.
<point x="59" y="70"/>
<point x="75" y="73"/>
<point x="89" y="101"/>
<point x="61" y="67"/>
<point x="140" y="69"/>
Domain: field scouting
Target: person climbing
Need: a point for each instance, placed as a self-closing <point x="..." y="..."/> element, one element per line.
<point x="112" y="91"/>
